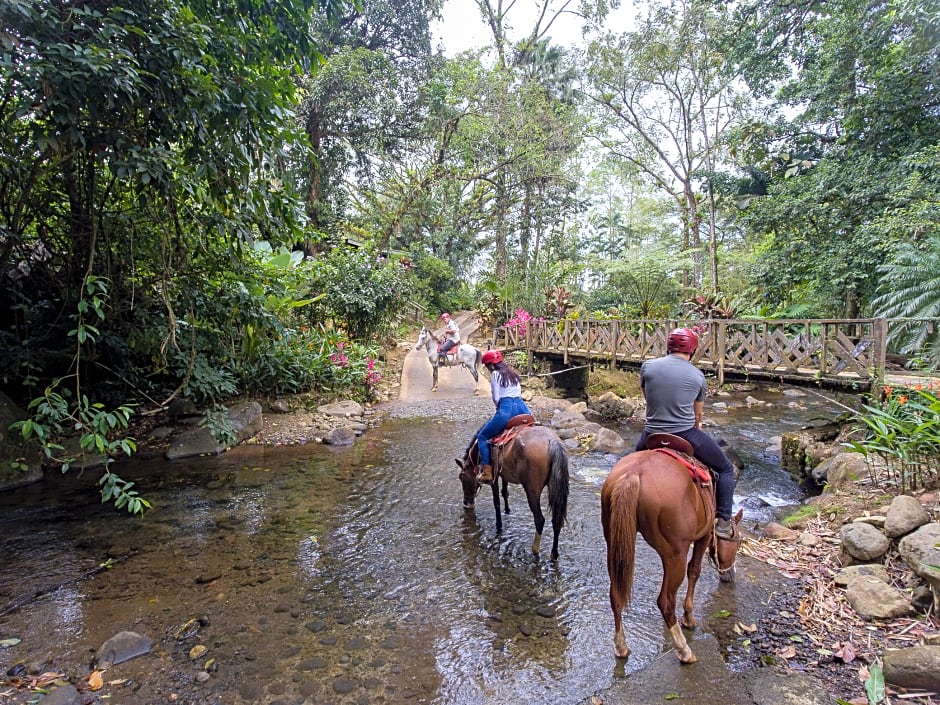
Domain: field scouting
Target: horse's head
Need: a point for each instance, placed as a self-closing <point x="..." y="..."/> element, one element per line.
<point x="422" y="338"/>
<point x="724" y="552"/>
<point x="468" y="477"/>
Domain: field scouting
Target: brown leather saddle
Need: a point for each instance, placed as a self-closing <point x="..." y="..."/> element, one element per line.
<point x="680" y="449"/>
<point x="513" y="426"/>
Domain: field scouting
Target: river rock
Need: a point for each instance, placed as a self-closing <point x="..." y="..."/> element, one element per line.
<point x="840" y="471"/>
<point x="875" y="571"/>
<point x="916" y="667"/>
<point x="123" y="646"/>
<point x="344" y="436"/>
<point x="345" y="408"/>
<point x="873" y="599"/>
<point x="607" y="441"/>
<point x="244" y="417"/>
<point x="904" y="516"/>
<point x="805" y="449"/>
<point x="863" y="542"/>
<point x="63" y="695"/>
<point x="610" y="406"/>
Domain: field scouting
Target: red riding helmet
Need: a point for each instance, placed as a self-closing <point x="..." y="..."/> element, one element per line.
<point x="492" y="357"/>
<point x="445" y="316"/>
<point x="682" y="340"/>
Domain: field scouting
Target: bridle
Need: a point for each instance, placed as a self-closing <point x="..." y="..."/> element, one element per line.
<point x="713" y="551"/>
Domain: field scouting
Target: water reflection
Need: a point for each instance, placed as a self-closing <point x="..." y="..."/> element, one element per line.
<point x="345" y="575"/>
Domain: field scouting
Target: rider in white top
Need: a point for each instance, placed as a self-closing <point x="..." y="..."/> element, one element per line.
<point x="451" y="335"/>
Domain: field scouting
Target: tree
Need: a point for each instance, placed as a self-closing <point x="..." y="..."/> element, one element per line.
<point x="859" y="81"/>
<point x="666" y="106"/>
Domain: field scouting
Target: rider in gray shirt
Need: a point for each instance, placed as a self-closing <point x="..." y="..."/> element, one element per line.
<point x="675" y="390"/>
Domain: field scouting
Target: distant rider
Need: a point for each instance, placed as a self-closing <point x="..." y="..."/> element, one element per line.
<point x="451" y="336"/>
<point x="507" y="396"/>
<point x="675" y="390"/>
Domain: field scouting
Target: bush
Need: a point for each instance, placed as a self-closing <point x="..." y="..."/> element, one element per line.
<point x="904" y="434"/>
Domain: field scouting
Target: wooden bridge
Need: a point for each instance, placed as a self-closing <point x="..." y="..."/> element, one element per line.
<point x="832" y="352"/>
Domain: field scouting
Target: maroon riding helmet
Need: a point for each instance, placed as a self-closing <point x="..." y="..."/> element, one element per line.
<point x="682" y="340"/>
<point x="492" y="357"/>
<point x="445" y="316"/>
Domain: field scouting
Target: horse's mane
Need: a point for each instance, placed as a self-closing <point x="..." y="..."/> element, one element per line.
<point x="473" y="442"/>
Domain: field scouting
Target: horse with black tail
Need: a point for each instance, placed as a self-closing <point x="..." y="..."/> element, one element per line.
<point x="464" y="355"/>
<point x="528" y="455"/>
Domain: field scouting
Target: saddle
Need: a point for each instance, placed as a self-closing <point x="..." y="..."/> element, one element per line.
<point x="513" y="426"/>
<point x="452" y="353"/>
<point x="680" y="449"/>
<point x="506" y="436"/>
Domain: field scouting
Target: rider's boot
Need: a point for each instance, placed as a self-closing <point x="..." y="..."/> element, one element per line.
<point x="442" y="359"/>
<point x="486" y="474"/>
<point x="724" y="529"/>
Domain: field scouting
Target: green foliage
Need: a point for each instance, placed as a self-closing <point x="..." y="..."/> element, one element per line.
<point x="362" y="293"/>
<point x="216" y="419"/>
<point x="875" y="685"/>
<point x="903" y="432"/>
<point x="54" y="419"/>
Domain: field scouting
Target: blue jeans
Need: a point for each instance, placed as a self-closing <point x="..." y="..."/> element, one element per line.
<point x="709" y="452"/>
<point x="448" y="344"/>
<point x="508" y="407"/>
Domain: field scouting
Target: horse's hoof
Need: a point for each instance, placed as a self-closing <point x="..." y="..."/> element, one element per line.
<point x="468" y="506"/>
<point x="622" y="654"/>
<point x="688" y="623"/>
<point x="476" y="392"/>
<point x="689" y="658"/>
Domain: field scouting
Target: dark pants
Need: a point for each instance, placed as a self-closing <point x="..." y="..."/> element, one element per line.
<point x="709" y="452"/>
<point x="448" y="344"/>
<point x="508" y="407"/>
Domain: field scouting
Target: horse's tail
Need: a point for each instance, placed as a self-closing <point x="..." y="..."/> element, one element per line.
<point x="558" y="482"/>
<point x="478" y="358"/>
<point x="618" y="516"/>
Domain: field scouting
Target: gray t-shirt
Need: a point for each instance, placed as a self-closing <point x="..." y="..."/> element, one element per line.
<point x="671" y="386"/>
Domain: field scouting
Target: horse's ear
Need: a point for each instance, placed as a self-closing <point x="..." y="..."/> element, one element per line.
<point x="459" y="463"/>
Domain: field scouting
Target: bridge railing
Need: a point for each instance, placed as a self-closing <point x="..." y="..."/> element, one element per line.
<point x="848" y="351"/>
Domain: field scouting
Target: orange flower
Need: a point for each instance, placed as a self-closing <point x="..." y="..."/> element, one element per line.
<point x="887" y="390"/>
<point x="902" y="399"/>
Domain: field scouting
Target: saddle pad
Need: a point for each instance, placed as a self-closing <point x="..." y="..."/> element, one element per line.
<point x="510" y="432"/>
<point x="698" y="471"/>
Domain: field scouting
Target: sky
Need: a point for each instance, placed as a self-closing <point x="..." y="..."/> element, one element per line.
<point x="462" y="28"/>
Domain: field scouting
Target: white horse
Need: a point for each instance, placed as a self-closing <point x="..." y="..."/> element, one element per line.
<point x="464" y="355"/>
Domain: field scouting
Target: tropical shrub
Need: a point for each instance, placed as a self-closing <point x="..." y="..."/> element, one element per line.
<point x="903" y="437"/>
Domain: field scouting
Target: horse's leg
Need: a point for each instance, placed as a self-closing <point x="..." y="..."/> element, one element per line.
<point x="535" y="504"/>
<point x="693" y="572"/>
<point x="673" y="575"/>
<point x="499" y="517"/>
<point x="434" y="381"/>
<point x="505" y="496"/>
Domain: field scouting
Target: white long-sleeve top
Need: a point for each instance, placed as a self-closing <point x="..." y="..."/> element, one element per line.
<point x="499" y="391"/>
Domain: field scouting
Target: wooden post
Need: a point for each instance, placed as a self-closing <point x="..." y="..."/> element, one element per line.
<point x="880" y="352"/>
<point x="528" y="347"/>
<point x="614" y="343"/>
<point x="565" y="336"/>
<point x="721" y="345"/>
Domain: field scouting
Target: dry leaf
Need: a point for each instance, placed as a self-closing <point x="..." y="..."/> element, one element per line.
<point x="847" y="653"/>
<point x="95" y="680"/>
<point x="787" y="652"/>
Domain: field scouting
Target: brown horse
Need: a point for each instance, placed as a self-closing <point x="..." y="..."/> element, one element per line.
<point x="535" y="458"/>
<point x="654" y="493"/>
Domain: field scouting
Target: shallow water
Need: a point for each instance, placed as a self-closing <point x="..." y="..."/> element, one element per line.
<point x="344" y="575"/>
